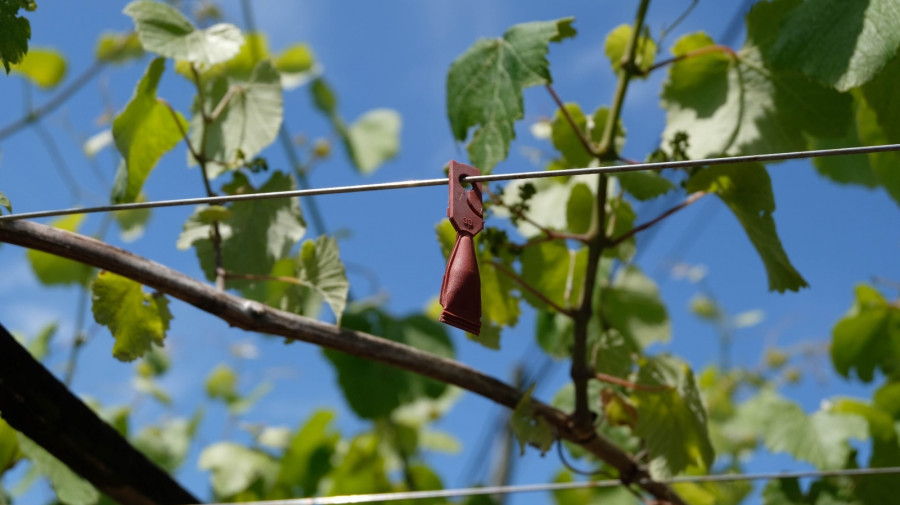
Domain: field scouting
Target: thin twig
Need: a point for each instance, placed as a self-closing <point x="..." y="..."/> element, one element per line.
<point x="681" y="17"/>
<point x="612" y="379"/>
<point x="184" y="133"/>
<point x="691" y="54"/>
<point x="223" y="103"/>
<point x="575" y="129"/>
<point x="693" y="197"/>
<point x="531" y="289"/>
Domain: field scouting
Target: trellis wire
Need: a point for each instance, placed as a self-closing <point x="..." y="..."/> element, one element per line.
<point x="562" y="486"/>
<point x="636" y="167"/>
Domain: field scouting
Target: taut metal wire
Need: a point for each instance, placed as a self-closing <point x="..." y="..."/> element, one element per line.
<point x="637" y="167"/>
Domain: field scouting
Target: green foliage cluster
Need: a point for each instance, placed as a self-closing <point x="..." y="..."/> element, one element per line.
<point x="811" y="74"/>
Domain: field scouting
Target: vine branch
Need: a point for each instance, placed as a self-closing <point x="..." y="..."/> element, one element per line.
<point x="588" y="146"/>
<point x="531" y="289"/>
<point x="691" y="54"/>
<point x="634" y="231"/>
<point x="254" y="316"/>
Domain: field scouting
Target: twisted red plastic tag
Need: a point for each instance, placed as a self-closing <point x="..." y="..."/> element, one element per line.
<point x="461" y="288"/>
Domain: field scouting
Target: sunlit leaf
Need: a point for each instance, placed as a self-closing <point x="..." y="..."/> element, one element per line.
<point x="15" y="30"/>
<point x="143" y="132"/>
<point x="867" y="337"/>
<point x="308" y="456"/>
<point x="531" y="429"/>
<point x="235" y="468"/>
<point x="554" y="270"/>
<point x="644" y="185"/>
<point x="9" y="447"/>
<point x="617" y="42"/>
<point x="484" y="86"/>
<point x="221" y="384"/>
<point x="747" y="190"/>
<point x="5" y="203"/>
<point x="44" y="67"/>
<point x="165" y="31"/>
<point x="70" y="488"/>
<point x="360" y="469"/>
<point x="137" y="320"/>
<point x="374" y="138"/>
<point x="116" y="47"/>
<point x="167" y="444"/>
<point x="632" y="306"/>
<point x="53" y="270"/>
<point x="566" y="141"/>
<point x="878" y="124"/>
<point x="322" y="270"/>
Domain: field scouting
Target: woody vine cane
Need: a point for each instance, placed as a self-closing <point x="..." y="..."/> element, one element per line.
<point x="461" y="287"/>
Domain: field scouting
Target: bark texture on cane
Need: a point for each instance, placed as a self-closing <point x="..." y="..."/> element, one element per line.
<point x="461" y="288"/>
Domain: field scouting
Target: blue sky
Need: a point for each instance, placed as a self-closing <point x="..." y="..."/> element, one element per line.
<point x="396" y="54"/>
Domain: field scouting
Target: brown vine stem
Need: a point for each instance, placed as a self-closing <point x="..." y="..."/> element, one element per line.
<point x="588" y="146"/>
<point x="581" y="371"/>
<point x="691" y="54"/>
<point x="612" y="379"/>
<point x="254" y="316"/>
<point x="634" y="231"/>
<point x="528" y="287"/>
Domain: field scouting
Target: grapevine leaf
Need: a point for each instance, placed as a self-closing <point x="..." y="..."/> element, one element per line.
<point x="137" y="320"/>
<point x="731" y="105"/>
<point x="70" y="488"/>
<point x="44" y="67"/>
<point x="601" y="116"/>
<point x="531" y="429"/>
<point x="617" y="42"/>
<point x="787" y="492"/>
<point x="5" y="203"/>
<point x="373" y="139"/>
<point x="613" y="353"/>
<point x="15" y="30"/>
<point x="248" y="123"/>
<point x="297" y="65"/>
<point x="236" y="468"/>
<point x="548" y="205"/>
<point x="323" y="97"/>
<point x="747" y="190"/>
<point x="644" y="185"/>
<point x="115" y="47"/>
<point x="554" y="333"/>
<point x="866" y="338"/>
<point x="163" y="30"/>
<point x="672" y="420"/>
<point x="308" y="456"/>
<point x="841" y="44"/>
<point x="361" y="470"/>
<point x="39" y="346"/>
<point x="590" y="496"/>
<point x="820" y="439"/>
<point x="566" y="141"/>
<point x="9" y="447"/>
<point x="256" y="235"/>
<point x="878" y="124"/>
<point x="850" y="169"/>
<point x="54" y="270"/>
<point x="143" y="132"/>
<point x="322" y="270"/>
<point x="885" y="450"/>
<point x="133" y="222"/>
<point x="221" y="384"/>
<point x="620" y="218"/>
<point x="484" y="86"/>
<point x="633" y="307"/>
<point x="555" y="271"/>
<point x="396" y="387"/>
<point x="167" y="444"/>
<point x="887" y="398"/>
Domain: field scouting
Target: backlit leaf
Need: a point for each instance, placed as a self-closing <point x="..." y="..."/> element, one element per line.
<point x="9" y="447"/>
<point x="566" y="141"/>
<point x="672" y="420"/>
<point x="633" y="307"/>
<point x="530" y="428"/>
<point x="644" y="185"/>
<point x="44" y="67"/>
<point x="137" y="320"/>
<point x="360" y="469"/>
<point x="617" y="42"/>
<point x="555" y="271"/>
<point x="143" y="132"/>
<point x="842" y="44"/>
<point x="322" y="270"/>
<point x="747" y="190"/>
<point x="878" y="123"/>
<point x="5" y="203"/>
<point x="15" y="30"/>
<point x="167" y="444"/>
<point x="308" y="456"/>
<point x="868" y="337"/>
<point x="70" y="488"/>
<point x="115" y="47"/>
<point x="374" y="138"/>
<point x="165" y="31"/>
<point x="484" y="86"/>
<point x="236" y="468"/>
<point x="53" y="270"/>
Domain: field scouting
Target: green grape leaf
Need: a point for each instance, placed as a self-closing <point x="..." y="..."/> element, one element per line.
<point x="236" y="468"/>
<point x="555" y="271"/>
<point x="885" y="449"/>
<point x="373" y="139"/>
<point x="70" y="488"/>
<point x="308" y="456"/>
<point x="5" y="203"/>
<point x="297" y="65"/>
<point x="15" y="30"/>
<point x="878" y="123"/>
<point x="887" y="398"/>
<point x="601" y="116"/>
<point x="361" y="469"/>
<point x="137" y="320"/>
<point x="256" y="235"/>
<point x="644" y="185"/>
<point x="248" y="123"/>
<point x="53" y="270"/>
<point x="849" y="169"/>
<point x="143" y="132"/>
<point x="632" y="306"/>
<point x="132" y="223"/>
<point x="114" y="47"/>
<point x="396" y="387"/>
<point x="163" y="30"/>
<point x="747" y="190"/>
<point x="44" y="67"/>
<point x="567" y="141"/>
<point x="612" y="353"/>
<point x="531" y="429"/>
<point x="590" y="496"/>
<point x="841" y="44"/>
<point x="822" y="492"/>
<point x="321" y="269"/>
<point x="323" y="97"/>
<point x="484" y="86"/>
<point x="221" y="384"/>
<point x="820" y="438"/>
<point x="867" y="337"/>
<point x="730" y="105"/>
<point x="39" y="346"/>
<point x="672" y="420"/>
<point x="617" y="42"/>
<point x="9" y="447"/>
<point x="167" y="444"/>
<point x="554" y="333"/>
